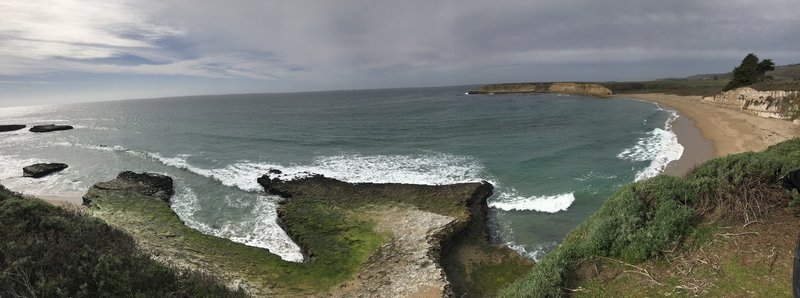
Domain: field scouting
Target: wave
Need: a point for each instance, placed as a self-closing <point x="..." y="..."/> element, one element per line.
<point x="549" y="204"/>
<point x="13" y="164"/>
<point x="660" y="147"/>
<point x="259" y="229"/>
<point x="429" y="169"/>
<point x="426" y="169"/>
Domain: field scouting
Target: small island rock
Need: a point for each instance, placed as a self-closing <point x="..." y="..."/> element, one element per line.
<point x="42" y="169"/>
<point x="11" y="127"/>
<point x="50" y="127"/>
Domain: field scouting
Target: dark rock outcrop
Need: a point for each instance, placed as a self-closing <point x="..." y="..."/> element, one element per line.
<point x="11" y="127"/>
<point x="42" y="169"/>
<point x="458" y="248"/>
<point x="50" y="127"/>
<point x="359" y="239"/>
<point x="148" y="184"/>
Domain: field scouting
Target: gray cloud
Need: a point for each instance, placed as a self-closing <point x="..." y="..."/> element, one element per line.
<point x="294" y="45"/>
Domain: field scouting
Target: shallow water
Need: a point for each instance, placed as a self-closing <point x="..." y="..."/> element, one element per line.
<point x="553" y="159"/>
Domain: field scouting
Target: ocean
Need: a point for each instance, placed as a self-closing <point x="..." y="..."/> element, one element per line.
<point x="553" y="159"/>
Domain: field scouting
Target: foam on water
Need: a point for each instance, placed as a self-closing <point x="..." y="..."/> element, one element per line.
<point x="549" y="204"/>
<point x="660" y="147"/>
<point x="429" y="169"/>
<point x="259" y="228"/>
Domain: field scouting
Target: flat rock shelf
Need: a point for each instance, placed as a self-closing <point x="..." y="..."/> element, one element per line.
<point x="358" y="239"/>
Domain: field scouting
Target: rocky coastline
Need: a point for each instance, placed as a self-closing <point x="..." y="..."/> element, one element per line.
<point x="584" y="89"/>
<point x="360" y="239"/>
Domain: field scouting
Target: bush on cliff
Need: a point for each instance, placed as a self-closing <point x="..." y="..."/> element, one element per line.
<point x="644" y="218"/>
<point x="47" y="251"/>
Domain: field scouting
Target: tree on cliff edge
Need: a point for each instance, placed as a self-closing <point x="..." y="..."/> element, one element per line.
<point x="750" y="71"/>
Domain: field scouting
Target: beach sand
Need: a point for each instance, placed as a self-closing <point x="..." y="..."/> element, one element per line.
<point x="708" y="131"/>
<point x="62" y="201"/>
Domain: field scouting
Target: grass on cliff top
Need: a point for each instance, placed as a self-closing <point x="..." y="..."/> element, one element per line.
<point x="47" y="251"/>
<point x="644" y="218"/>
<point x="341" y="243"/>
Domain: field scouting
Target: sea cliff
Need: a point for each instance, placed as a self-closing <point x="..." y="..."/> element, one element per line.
<point x="586" y="89"/>
<point x="770" y="104"/>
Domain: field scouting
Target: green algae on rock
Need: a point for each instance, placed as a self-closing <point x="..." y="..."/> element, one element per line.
<point x="358" y="239"/>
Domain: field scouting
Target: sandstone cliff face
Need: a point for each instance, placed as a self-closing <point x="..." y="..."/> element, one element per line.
<point x="770" y="104"/>
<point x="510" y="88"/>
<point x="585" y="89"/>
<point x="580" y="89"/>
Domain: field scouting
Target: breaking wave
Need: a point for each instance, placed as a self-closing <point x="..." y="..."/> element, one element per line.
<point x="659" y="147"/>
<point x="548" y="204"/>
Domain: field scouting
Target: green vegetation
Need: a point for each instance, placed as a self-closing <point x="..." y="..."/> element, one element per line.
<point x="673" y="86"/>
<point x="644" y="218"/>
<point x="47" y="251"/>
<point x="334" y="222"/>
<point x="750" y="71"/>
<point x="339" y="243"/>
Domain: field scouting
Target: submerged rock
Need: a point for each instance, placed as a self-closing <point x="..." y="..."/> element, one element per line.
<point x="152" y="185"/>
<point x="42" y="169"/>
<point x="11" y="127"/>
<point x="50" y="127"/>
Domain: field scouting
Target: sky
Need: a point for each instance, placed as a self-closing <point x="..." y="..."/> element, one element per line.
<point x="64" y="51"/>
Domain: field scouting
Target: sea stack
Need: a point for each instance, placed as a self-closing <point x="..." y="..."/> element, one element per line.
<point x="11" y="127"/>
<point x="49" y="128"/>
<point x="42" y="169"/>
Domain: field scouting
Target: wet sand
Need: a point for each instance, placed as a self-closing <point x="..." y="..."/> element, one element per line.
<point x="708" y="131"/>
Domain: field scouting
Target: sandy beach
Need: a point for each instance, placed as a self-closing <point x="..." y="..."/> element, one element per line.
<point x="726" y="131"/>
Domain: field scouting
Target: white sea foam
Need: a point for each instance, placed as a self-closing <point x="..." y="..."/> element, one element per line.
<point x="508" y="201"/>
<point x="259" y="229"/>
<point x="660" y="147"/>
<point x="430" y="169"/>
<point x="13" y="164"/>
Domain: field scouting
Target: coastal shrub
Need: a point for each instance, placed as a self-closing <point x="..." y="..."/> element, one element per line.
<point x="546" y="278"/>
<point x="634" y="224"/>
<point x="643" y="218"/>
<point x="638" y="221"/>
<point x="47" y="251"/>
<point x="743" y="187"/>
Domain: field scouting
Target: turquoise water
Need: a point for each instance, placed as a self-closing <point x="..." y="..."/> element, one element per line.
<point x="553" y="159"/>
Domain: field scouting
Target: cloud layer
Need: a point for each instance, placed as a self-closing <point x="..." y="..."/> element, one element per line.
<point x="253" y="45"/>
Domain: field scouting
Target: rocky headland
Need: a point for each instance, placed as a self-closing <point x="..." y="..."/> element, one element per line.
<point x="585" y="89"/>
<point x="42" y="169"/>
<point x="359" y="239"/>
